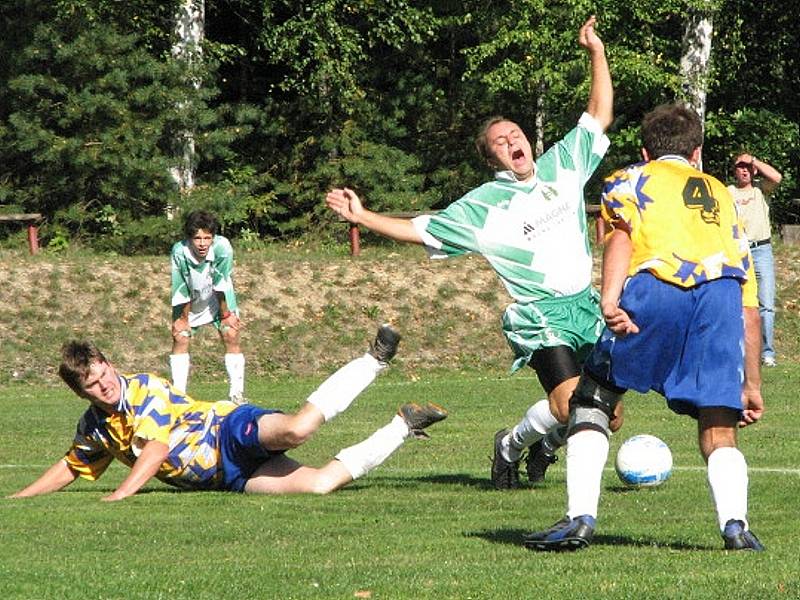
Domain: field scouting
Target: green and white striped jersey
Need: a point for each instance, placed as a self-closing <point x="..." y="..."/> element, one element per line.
<point x="533" y="234"/>
<point x="197" y="281"/>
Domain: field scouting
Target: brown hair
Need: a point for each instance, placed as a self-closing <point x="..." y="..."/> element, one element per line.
<point x="671" y="129"/>
<point x="481" y="143"/>
<point x="197" y="220"/>
<point x="76" y="359"/>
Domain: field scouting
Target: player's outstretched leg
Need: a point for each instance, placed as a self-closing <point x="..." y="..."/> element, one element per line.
<point x="340" y="389"/>
<point x="567" y="534"/>
<point x="410" y="420"/>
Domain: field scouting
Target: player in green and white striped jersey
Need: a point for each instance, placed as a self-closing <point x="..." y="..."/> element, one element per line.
<point x="530" y="224"/>
<point x="202" y="293"/>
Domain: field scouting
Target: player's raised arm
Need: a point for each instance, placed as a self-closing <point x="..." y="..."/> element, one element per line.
<point x="55" y="478"/>
<point x="601" y="95"/>
<point x="345" y="203"/>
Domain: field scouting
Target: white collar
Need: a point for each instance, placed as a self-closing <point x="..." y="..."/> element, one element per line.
<point x="675" y="157"/>
<point x="512" y="177"/>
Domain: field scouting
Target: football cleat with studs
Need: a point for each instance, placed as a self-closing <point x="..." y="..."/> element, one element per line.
<point x="567" y="534"/>
<point x="537" y="462"/>
<point x="385" y="345"/>
<point x="419" y="417"/>
<point x="738" y="538"/>
<point x="505" y="474"/>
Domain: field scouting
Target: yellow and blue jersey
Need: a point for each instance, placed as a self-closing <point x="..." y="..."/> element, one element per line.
<point x="682" y="222"/>
<point x="151" y="409"/>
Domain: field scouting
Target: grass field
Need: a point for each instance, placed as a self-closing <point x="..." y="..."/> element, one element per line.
<point x="425" y="525"/>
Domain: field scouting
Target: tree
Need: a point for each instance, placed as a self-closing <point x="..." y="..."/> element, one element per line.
<point x="696" y="55"/>
<point x="90" y="119"/>
<point x="188" y="52"/>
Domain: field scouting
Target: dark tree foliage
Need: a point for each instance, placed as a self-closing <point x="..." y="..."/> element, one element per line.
<point x="300" y="95"/>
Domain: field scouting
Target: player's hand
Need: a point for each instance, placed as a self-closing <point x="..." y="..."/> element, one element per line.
<point x="112" y="497"/>
<point x="588" y="38"/>
<point x="753" y="404"/>
<point x="233" y="321"/>
<point x="345" y="203"/>
<point x="618" y="321"/>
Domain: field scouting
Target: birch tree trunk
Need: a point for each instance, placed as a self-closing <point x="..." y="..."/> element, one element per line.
<point x="695" y="61"/>
<point x="538" y="149"/>
<point x="189" y="33"/>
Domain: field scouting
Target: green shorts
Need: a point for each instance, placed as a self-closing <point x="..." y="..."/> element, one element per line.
<point x="573" y="321"/>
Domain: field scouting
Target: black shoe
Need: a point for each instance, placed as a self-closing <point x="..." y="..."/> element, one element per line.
<point x="385" y="345"/>
<point x="537" y="462"/>
<point x="567" y="534"/>
<point x="419" y="417"/>
<point x="738" y="538"/>
<point x="505" y="474"/>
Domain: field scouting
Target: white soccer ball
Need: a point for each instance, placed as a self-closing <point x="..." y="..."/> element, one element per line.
<point x="644" y="460"/>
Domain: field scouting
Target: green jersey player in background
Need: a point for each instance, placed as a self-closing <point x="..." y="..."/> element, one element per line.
<point x="202" y="293"/>
<point x="530" y="224"/>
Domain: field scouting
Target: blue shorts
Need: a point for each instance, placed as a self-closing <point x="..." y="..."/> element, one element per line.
<point x="240" y="452"/>
<point x="690" y="347"/>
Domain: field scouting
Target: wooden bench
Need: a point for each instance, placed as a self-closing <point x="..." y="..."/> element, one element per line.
<point x="790" y="234"/>
<point x="32" y="220"/>
<point x="592" y="210"/>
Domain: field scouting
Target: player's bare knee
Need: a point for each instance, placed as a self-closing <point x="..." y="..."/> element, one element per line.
<point x="180" y="342"/>
<point x="230" y="337"/>
<point x="296" y="434"/>
<point x="592" y="407"/>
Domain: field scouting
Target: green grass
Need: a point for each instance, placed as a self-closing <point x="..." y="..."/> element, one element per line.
<point x="424" y="525"/>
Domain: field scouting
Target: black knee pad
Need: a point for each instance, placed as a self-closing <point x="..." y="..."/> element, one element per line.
<point x="592" y="406"/>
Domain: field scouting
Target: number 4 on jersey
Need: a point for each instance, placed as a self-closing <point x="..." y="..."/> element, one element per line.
<point x="697" y="195"/>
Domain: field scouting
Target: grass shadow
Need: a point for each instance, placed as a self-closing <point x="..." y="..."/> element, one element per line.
<point x="514" y="537"/>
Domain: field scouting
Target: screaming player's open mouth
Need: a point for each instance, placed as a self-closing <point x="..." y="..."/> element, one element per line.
<point x="517" y="154"/>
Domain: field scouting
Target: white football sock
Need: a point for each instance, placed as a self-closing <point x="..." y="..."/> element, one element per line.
<point x="365" y="456"/>
<point x="234" y="364"/>
<point x="587" y="452"/>
<point x="727" y="478"/>
<point x="179" y="367"/>
<point x="339" y="390"/>
<point x="529" y="430"/>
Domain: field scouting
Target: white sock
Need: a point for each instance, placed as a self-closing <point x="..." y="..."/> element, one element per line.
<point x="365" y="456"/>
<point x="179" y="367"/>
<point x="587" y="452"/>
<point x="234" y="364"/>
<point x="529" y="430"/>
<point x="727" y="478"/>
<point x="339" y="390"/>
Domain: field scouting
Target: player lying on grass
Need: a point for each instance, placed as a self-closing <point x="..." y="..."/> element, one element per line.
<point x="160" y="432"/>
<point x="530" y="224"/>
<point x="677" y="279"/>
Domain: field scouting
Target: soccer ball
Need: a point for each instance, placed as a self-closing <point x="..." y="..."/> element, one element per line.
<point x="643" y="460"/>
